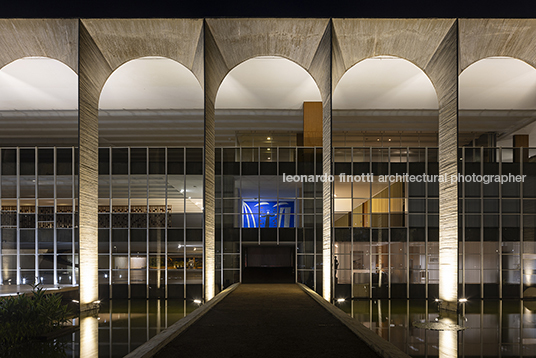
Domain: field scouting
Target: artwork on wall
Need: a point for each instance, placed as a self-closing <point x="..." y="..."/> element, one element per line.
<point x="267" y="214"/>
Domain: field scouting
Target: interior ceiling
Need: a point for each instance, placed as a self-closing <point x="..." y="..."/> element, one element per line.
<point x="151" y="83"/>
<point x="267" y="83"/>
<point x="385" y="82"/>
<point x="500" y="83"/>
<point x="157" y="101"/>
<point x="38" y="83"/>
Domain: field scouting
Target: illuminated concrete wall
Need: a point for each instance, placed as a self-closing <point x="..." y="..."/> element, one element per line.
<point x="444" y="66"/>
<point x="93" y="71"/>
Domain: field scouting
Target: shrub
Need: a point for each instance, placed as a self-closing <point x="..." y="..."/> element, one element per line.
<point x="24" y="317"/>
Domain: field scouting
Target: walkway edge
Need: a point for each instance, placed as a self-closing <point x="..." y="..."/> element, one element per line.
<point x="155" y="344"/>
<point x="375" y="342"/>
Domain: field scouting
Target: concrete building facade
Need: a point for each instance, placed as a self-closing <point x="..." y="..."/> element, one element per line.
<point x="159" y="158"/>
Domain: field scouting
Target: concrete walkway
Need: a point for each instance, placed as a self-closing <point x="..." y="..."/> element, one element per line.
<point x="267" y="320"/>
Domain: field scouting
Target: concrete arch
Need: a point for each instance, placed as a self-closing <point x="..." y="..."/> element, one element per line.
<point x="406" y="69"/>
<point x="53" y="38"/>
<point x="229" y="42"/>
<point x="119" y="41"/>
<point x="483" y="38"/>
<point x="233" y="41"/>
<point x="105" y="45"/>
<point x="432" y="45"/>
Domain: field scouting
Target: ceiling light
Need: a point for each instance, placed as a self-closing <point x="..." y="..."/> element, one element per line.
<point x="269" y="138"/>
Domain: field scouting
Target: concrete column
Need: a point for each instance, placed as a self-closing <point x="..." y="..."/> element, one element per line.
<point x="93" y="71"/>
<point x="321" y="71"/>
<point x="444" y="65"/>
<point x="212" y="63"/>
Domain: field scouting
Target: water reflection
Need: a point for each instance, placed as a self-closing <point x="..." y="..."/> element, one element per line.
<point x="493" y="328"/>
<point x="448" y="345"/>
<point x="89" y="337"/>
<point x="123" y="325"/>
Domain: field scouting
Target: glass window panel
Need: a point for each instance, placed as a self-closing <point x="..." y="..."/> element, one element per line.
<point x="157" y="160"/>
<point x="119" y="161"/>
<point x="45" y="161"/>
<point x="104" y="161"/>
<point x="27" y="161"/>
<point x="138" y="161"/>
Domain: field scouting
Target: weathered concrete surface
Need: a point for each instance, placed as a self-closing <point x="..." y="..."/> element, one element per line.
<point x="122" y="40"/>
<point x="268" y="320"/>
<point x="94" y="70"/>
<point x="481" y="38"/>
<point x="53" y="38"/>
<point x="415" y="40"/>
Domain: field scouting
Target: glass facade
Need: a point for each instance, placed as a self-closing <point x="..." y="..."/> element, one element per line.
<point x="385" y="234"/>
<point x="387" y="242"/>
<point x="38" y="216"/>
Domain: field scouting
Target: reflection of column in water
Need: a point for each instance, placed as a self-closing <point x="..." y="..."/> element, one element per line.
<point x="158" y="318"/>
<point x="89" y="337"/>
<point x="147" y="319"/>
<point x="158" y="257"/>
<point x="380" y="324"/>
<point x="448" y="341"/>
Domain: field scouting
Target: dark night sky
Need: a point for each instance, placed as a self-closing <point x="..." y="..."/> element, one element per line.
<point x="267" y="8"/>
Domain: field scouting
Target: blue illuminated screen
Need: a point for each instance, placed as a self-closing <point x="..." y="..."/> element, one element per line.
<point x="267" y="214"/>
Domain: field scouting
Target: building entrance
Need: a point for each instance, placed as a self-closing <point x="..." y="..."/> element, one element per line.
<point x="268" y="264"/>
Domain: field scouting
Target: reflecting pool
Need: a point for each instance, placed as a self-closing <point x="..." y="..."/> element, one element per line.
<point x="120" y="327"/>
<point x="490" y="328"/>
